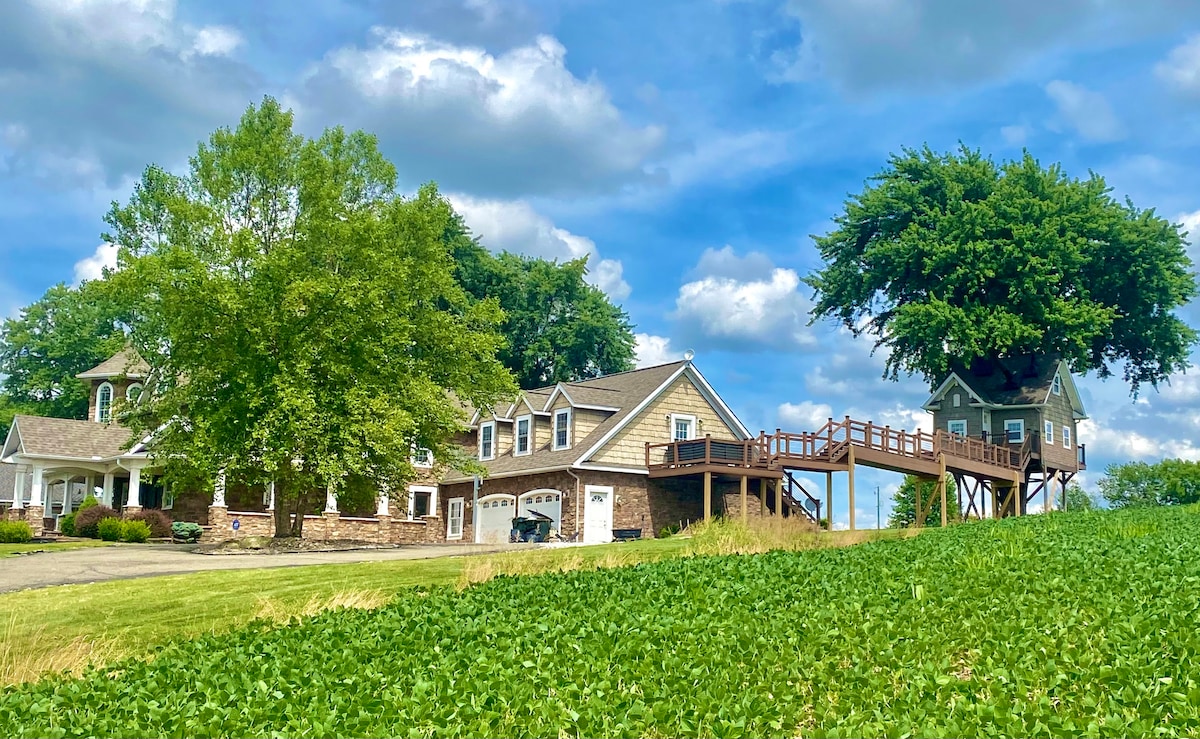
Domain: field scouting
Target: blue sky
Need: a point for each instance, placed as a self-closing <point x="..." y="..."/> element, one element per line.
<point x="691" y="148"/>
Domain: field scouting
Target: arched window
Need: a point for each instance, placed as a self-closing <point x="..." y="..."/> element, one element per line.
<point x="133" y="392"/>
<point x="104" y="399"/>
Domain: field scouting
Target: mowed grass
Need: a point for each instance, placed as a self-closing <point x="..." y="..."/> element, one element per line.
<point x="50" y="630"/>
<point x="11" y="550"/>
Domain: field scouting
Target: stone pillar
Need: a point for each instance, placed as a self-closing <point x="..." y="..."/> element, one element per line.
<point x="19" y="490"/>
<point x="106" y="496"/>
<point x="133" y="501"/>
<point x="36" y="510"/>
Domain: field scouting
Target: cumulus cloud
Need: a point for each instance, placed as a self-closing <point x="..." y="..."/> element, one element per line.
<point x="514" y="226"/>
<point x="744" y="303"/>
<point x="509" y="124"/>
<point x="1087" y="111"/>
<point x="1181" y="69"/>
<point x="871" y="45"/>
<point x="92" y="267"/>
<point x="166" y="83"/>
<point x="1015" y="135"/>
<point x="803" y="416"/>
<point x="651" y="350"/>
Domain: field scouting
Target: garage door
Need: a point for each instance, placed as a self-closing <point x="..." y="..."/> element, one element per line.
<point x="546" y="502"/>
<point x="496" y="513"/>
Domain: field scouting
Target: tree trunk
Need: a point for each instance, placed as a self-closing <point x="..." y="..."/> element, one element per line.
<point x="299" y="504"/>
<point x="283" y="524"/>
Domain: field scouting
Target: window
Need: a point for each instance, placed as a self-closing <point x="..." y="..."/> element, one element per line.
<point x="487" y="440"/>
<point x="422" y="457"/>
<point x="1066" y="436"/>
<point x="1049" y="429"/>
<point x="133" y="392"/>
<point x="957" y="427"/>
<point x="522" y="442"/>
<point x="1056" y="387"/>
<point x="422" y="501"/>
<point x="104" y="399"/>
<point x="957" y="400"/>
<point x="562" y="425"/>
<point x="682" y="427"/>
<point x="454" y="516"/>
<point x="1014" y="430"/>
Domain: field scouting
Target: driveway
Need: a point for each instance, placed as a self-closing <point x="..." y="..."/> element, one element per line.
<point x="95" y="564"/>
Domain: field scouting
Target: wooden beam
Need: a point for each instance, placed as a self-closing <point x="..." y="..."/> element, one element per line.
<point x="707" y="496"/>
<point x="829" y="500"/>
<point x="779" y="498"/>
<point x="850" y="483"/>
<point x="918" y="519"/>
<point x="942" y="485"/>
<point x="744" y="501"/>
<point x="992" y="487"/>
<point x="762" y="497"/>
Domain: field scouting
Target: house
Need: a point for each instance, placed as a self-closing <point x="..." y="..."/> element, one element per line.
<point x="575" y="452"/>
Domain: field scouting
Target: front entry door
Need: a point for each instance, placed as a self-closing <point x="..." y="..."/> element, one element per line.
<point x="597" y="514"/>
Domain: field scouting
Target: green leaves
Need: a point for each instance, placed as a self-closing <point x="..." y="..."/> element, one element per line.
<point x="891" y="638"/>
<point x="953" y="256"/>
<point x="1134" y="484"/>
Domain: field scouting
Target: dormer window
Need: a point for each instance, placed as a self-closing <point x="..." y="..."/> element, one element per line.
<point x="1056" y="387"/>
<point x="562" y="426"/>
<point x="487" y="440"/>
<point x="133" y="392"/>
<point x="523" y="443"/>
<point x="104" y="399"/>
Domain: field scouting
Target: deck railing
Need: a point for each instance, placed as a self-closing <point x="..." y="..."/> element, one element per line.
<point x="707" y="451"/>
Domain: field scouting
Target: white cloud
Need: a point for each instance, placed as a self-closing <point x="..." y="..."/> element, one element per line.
<point x="803" y="416"/>
<point x="216" y="41"/>
<point x="1181" y="69"/>
<point x="1191" y="225"/>
<point x="92" y="267"/>
<point x="1087" y="111"/>
<point x="727" y="156"/>
<point x="513" y="225"/>
<point x="744" y="303"/>
<point x="652" y="350"/>
<point x="1015" y="135"/>
<point x="515" y="123"/>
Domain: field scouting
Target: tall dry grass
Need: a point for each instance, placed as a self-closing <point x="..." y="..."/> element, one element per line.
<point x="50" y="654"/>
<point x="769" y="534"/>
<point x="539" y="561"/>
<point x="281" y="611"/>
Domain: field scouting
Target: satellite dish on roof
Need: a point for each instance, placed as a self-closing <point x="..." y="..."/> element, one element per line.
<point x="689" y="355"/>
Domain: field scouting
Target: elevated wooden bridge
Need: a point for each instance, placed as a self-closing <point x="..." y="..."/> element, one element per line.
<point x="837" y="447"/>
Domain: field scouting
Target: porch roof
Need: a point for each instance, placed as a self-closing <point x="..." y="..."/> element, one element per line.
<point x="62" y="438"/>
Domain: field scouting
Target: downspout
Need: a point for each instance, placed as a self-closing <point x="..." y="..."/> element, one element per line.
<point x="572" y="474"/>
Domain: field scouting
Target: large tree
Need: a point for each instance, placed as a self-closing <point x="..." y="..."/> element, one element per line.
<point x="557" y="326"/>
<point x="1135" y="484"/>
<point x="301" y="319"/>
<point x="67" y="331"/>
<point x="947" y="256"/>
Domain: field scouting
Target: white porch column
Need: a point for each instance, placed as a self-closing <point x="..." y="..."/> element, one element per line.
<point x="106" y="495"/>
<point x="35" y="493"/>
<point x="134" y="499"/>
<point x="19" y="489"/>
<point x="271" y="496"/>
<point x="67" y="498"/>
<point x="330" y="500"/>
<point x="381" y="503"/>
<point x="219" y="490"/>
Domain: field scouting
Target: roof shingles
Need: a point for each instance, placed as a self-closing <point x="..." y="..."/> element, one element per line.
<point x="62" y="437"/>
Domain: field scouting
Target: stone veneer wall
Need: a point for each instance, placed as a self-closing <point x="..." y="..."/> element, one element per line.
<point x="380" y="530"/>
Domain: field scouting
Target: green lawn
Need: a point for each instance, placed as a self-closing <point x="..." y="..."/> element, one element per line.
<point x="8" y="550"/>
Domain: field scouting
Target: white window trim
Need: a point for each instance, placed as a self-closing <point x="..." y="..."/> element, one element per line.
<point x="554" y="440"/>
<point x="112" y="396"/>
<point x="692" y="427"/>
<point x="951" y="422"/>
<point x="1048" y="429"/>
<point x="462" y="519"/>
<point x="129" y="390"/>
<point x="415" y="459"/>
<point x="956" y="399"/>
<point x="432" y="490"/>
<point x="528" y="418"/>
<point x="492" y="426"/>
<point x="1066" y="436"/>
<point x="1056" y="385"/>
<point x="1007" y="421"/>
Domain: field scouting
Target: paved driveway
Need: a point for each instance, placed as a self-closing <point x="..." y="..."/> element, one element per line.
<point x="95" y="564"/>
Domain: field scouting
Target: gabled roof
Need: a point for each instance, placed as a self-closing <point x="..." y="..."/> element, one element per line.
<point x="125" y="363"/>
<point x="1012" y="381"/>
<point x="62" y="438"/>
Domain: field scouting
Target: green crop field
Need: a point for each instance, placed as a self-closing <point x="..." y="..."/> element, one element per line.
<point x="1060" y="625"/>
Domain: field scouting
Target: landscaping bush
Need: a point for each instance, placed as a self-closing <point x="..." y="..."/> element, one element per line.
<point x="66" y="525"/>
<point x="158" y="521"/>
<point x="109" y="529"/>
<point x="134" y="531"/>
<point x="88" y="502"/>
<point x="88" y="519"/>
<point x="15" y="532"/>
<point x="186" y="532"/>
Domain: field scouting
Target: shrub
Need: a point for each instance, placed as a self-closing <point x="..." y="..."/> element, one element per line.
<point x="88" y="502"/>
<point x="66" y="525"/>
<point x="15" y="532"/>
<point x="187" y="532"/>
<point x="87" y="520"/>
<point x="158" y="521"/>
<point x="135" y="531"/>
<point x="109" y="529"/>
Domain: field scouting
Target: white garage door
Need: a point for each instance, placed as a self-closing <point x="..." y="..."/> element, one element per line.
<point x="496" y="513"/>
<point x="545" y="502"/>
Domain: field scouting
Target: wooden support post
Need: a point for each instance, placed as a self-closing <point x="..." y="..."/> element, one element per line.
<point x="829" y="500"/>
<point x="779" y="497"/>
<point x="1018" y="497"/>
<point x="942" y="485"/>
<point x="1046" y="491"/>
<point x="744" y="501"/>
<point x="762" y="496"/>
<point x="918" y="519"/>
<point x="992" y="488"/>
<point x="707" y="496"/>
<point x="958" y="490"/>
<point x="850" y="481"/>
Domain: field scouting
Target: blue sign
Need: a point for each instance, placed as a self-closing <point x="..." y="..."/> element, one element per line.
<point x="236" y="524"/>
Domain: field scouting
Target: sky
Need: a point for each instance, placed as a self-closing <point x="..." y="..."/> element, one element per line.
<point x="689" y="148"/>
